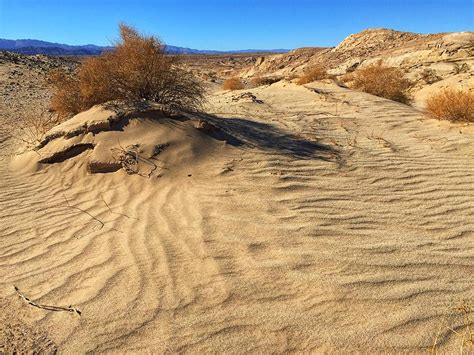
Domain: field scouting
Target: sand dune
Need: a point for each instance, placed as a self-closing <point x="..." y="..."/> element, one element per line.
<point x="342" y="222"/>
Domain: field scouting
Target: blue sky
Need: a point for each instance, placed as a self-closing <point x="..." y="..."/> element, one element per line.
<point x="228" y="24"/>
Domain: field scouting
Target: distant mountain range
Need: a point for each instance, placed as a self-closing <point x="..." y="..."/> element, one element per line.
<point x="33" y="46"/>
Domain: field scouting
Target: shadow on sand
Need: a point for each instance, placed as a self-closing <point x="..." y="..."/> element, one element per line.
<point x="265" y="136"/>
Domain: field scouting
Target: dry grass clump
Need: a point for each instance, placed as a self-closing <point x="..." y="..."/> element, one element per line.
<point x="316" y="72"/>
<point x="232" y="84"/>
<point x="136" y="69"/>
<point x="452" y="105"/>
<point x="383" y="81"/>
<point x="265" y="80"/>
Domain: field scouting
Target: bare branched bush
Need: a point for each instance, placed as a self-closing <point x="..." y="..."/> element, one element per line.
<point x="383" y="81"/>
<point x="265" y="80"/>
<point x="232" y="84"/>
<point x="461" y="68"/>
<point x="136" y="69"/>
<point x="429" y="76"/>
<point x="316" y="72"/>
<point x="33" y="125"/>
<point x="452" y="105"/>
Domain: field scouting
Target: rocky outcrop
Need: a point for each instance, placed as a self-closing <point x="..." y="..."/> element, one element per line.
<point x="403" y="49"/>
<point x="426" y="59"/>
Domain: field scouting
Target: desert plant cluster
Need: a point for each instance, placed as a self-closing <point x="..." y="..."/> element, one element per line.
<point x="232" y="84"/>
<point x="429" y="76"/>
<point x="313" y="73"/>
<point x="136" y="69"/>
<point x="265" y="80"/>
<point x="384" y="81"/>
<point x="452" y="105"/>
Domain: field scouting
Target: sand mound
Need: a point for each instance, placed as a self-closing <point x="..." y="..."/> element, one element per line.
<point x="140" y="139"/>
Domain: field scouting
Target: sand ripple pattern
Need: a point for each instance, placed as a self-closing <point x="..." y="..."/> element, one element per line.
<point x="364" y="244"/>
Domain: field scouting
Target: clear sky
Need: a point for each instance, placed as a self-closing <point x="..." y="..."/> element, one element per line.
<point x="228" y="24"/>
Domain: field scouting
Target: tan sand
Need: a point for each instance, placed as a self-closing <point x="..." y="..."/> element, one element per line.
<point x="345" y="223"/>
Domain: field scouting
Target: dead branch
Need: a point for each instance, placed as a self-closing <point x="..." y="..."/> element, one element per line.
<point x="129" y="158"/>
<point x="48" y="308"/>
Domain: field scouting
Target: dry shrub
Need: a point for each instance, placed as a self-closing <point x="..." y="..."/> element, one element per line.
<point x="383" y="81"/>
<point x="429" y="76"/>
<point x="136" y="69"/>
<point x="461" y="68"/>
<point x="291" y="76"/>
<point x="347" y="78"/>
<point x="452" y="105"/>
<point x="232" y="84"/>
<point x="316" y="72"/>
<point x="66" y="99"/>
<point x="33" y="125"/>
<point x="265" y="80"/>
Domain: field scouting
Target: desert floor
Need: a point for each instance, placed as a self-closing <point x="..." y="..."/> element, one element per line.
<point x="344" y="222"/>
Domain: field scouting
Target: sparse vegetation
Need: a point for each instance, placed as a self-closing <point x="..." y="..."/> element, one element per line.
<point x="137" y="69"/>
<point x="429" y="76"/>
<point x="291" y="76"/>
<point x="34" y="125"/>
<point x="232" y="84"/>
<point x="452" y="105"/>
<point x="347" y="78"/>
<point x="315" y="72"/>
<point x="461" y="68"/>
<point x="265" y="80"/>
<point x="383" y="81"/>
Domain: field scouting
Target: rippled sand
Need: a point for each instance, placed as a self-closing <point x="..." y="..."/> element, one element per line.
<point x="345" y="222"/>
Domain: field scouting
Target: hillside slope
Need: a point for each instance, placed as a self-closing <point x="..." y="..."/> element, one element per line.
<point x="438" y="60"/>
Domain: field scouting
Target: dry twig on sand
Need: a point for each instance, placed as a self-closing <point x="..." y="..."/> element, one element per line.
<point x="83" y="211"/>
<point x="48" y="308"/>
<point x="111" y="211"/>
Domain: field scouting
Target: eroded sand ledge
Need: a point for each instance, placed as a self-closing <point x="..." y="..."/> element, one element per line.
<point x="343" y="222"/>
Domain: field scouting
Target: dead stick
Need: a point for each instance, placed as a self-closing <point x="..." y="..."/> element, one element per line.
<point x="48" y="308"/>
<point x="111" y="211"/>
<point x="80" y="209"/>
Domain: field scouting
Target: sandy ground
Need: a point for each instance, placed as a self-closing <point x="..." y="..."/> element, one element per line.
<point x="344" y="223"/>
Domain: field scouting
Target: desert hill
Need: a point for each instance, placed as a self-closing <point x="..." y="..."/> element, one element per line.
<point x="438" y="60"/>
<point x="404" y="47"/>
